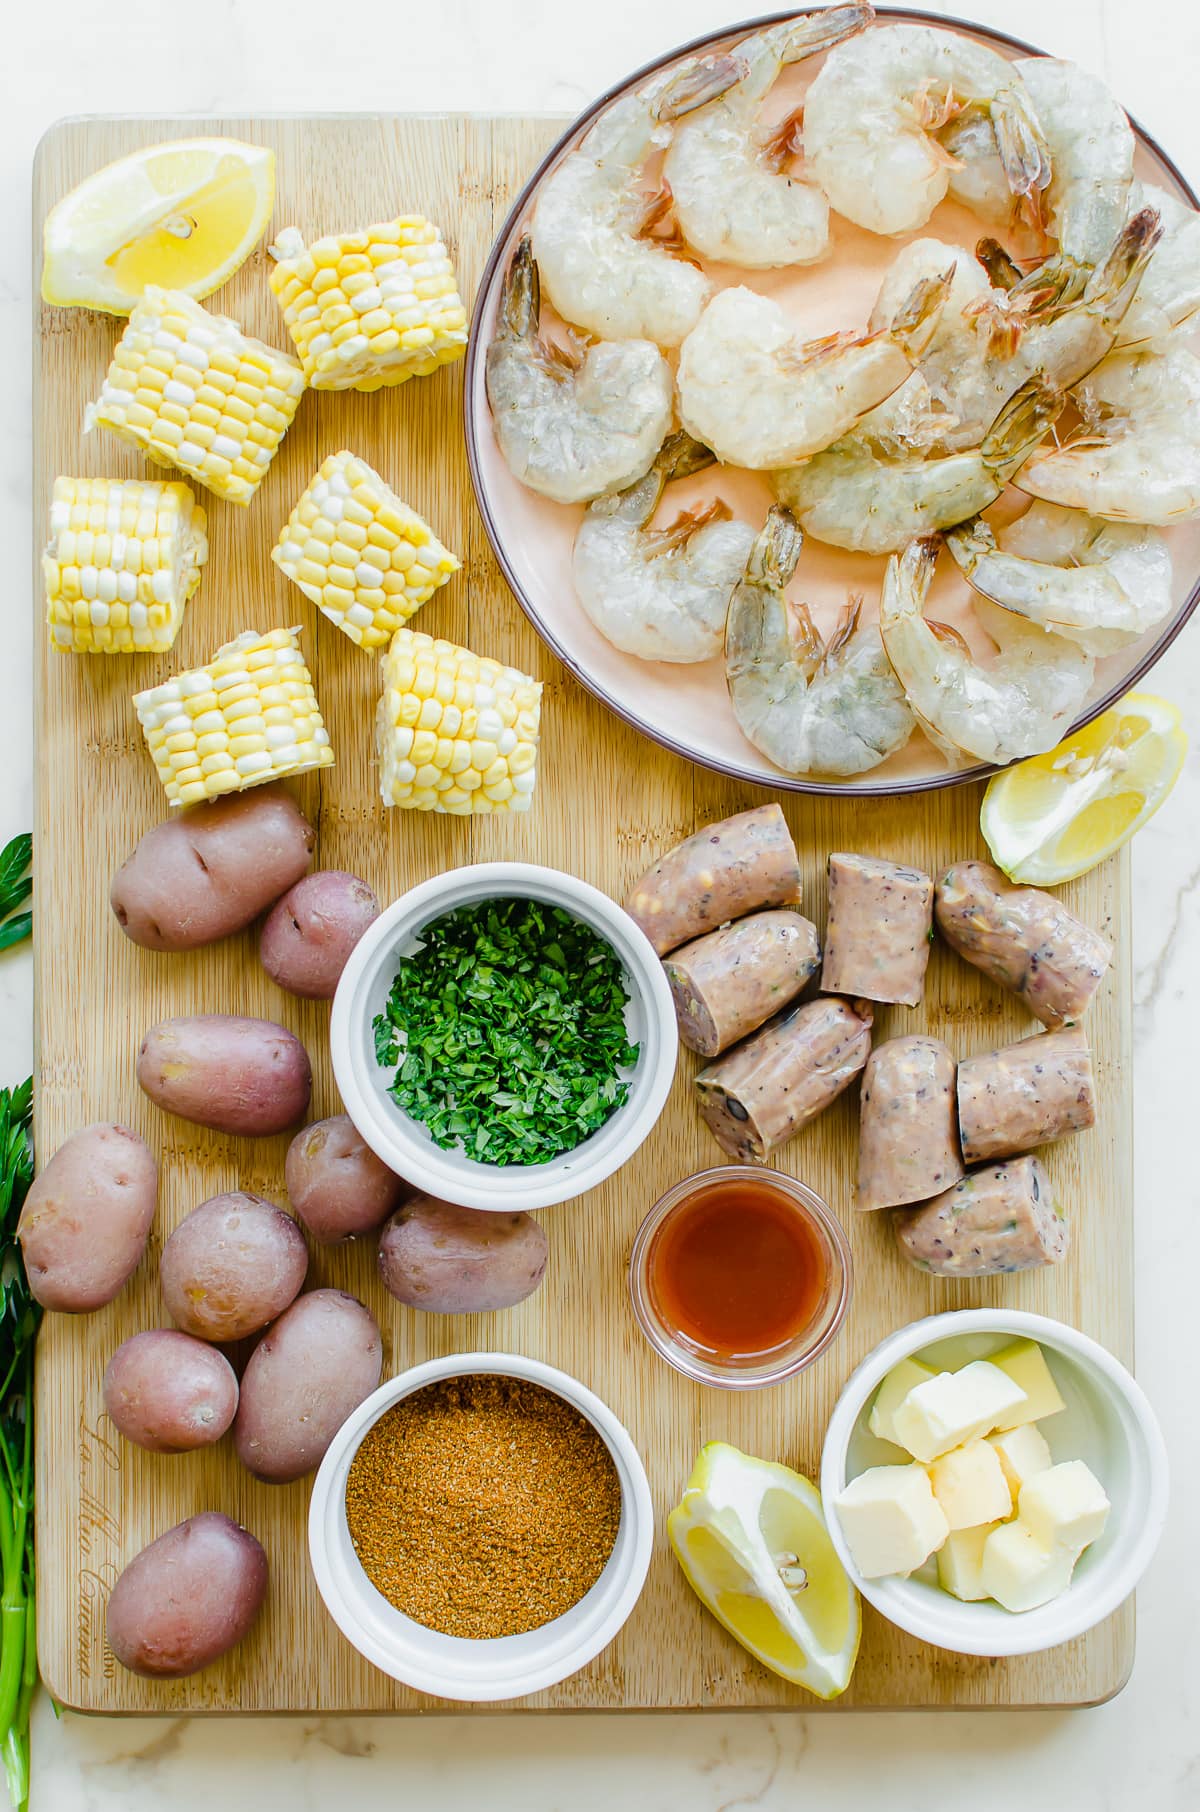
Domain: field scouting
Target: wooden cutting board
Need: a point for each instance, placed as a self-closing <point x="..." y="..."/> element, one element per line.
<point x="608" y="803"/>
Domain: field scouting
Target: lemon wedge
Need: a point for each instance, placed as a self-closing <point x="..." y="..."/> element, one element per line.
<point x="1055" y="816"/>
<point x="183" y="215"/>
<point x="751" y="1538"/>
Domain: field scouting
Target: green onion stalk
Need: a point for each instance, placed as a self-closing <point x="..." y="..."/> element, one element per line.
<point x="19" y="1317"/>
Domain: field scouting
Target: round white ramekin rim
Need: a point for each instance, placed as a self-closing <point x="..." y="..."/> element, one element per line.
<point x="401" y="1142"/>
<point x="454" y="1667"/>
<point x="1103" y="1399"/>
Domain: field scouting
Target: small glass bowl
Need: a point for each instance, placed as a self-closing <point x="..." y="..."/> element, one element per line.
<point x="752" y="1370"/>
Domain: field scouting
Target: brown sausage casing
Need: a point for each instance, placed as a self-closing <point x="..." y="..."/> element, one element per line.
<point x="1026" y="1094"/>
<point x="1024" y="939"/>
<point x="729" y="983"/>
<point x="908" y="1142"/>
<point x="996" y="1220"/>
<point x="877" y="938"/>
<point x="725" y="871"/>
<point x="766" y="1089"/>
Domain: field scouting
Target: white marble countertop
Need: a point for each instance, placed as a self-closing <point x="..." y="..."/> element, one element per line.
<point x="1141" y="1750"/>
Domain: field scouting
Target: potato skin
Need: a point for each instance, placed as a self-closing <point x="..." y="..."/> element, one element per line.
<point x="336" y="1184"/>
<point x="169" y="1393"/>
<point x="87" y="1217"/>
<point x="244" y="1076"/>
<point x="187" y="1598"/>
<point x="449" y="1260"/>
<point x="318" y="1362"/>
<point x="307" y="939"/>
<point x="209" y="870"/>
<point x="232" y="1265"/>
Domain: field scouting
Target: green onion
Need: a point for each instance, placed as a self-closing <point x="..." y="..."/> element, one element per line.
<point x="19" y="1317"/>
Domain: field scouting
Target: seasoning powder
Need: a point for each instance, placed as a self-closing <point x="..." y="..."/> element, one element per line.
<point x="483" y="1506"/>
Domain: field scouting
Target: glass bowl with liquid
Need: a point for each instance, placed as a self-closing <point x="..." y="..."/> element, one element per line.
<point x="740" y="1277"/>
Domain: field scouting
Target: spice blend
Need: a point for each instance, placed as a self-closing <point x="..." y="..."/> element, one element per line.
<point x="483" y="1506"/>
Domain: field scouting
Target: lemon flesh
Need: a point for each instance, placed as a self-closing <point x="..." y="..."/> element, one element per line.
<point x="1055" y="816"/>
<point x="751" y="1538"/>
<point x="182" y="215"/>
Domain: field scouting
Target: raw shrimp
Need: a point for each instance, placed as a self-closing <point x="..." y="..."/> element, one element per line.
<point x="852" y="497"/>
<point x="599" y="270"/>
<point x="661" y="594"/>
<point x="978" y="178"/>
<point x="1091" y="147"/>
<point x="1169" y="292"/>
<point x="1138" y="459"/>
<point x="758" y="397"/>
<point x="1022" y="704"/>
<point x="811" y="708"/>
<point x="1101" y="584"/>
<point x="872" y="114"/>
<point x="571" y="424"/>
<point x="725" y="167"/>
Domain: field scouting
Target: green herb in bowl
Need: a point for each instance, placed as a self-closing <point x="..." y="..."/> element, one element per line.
<point x="507" y="1030"/>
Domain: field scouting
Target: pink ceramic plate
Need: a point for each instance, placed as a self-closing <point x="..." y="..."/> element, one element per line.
<point x="685" y="708"/>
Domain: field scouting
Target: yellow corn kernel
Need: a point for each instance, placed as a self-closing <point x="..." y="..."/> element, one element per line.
<point x="122" y="561"/>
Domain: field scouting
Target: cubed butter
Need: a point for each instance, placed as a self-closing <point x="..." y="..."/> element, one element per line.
<point x="1025" y="1363"/>
<point x="1020" y="1572"/>
<point x="969" y="1484"/>
<point x="960" y="1562"/>
<point x="1021" y="1452"/>
<point x="892" y="1392"/>
<point x="953" y="1407"/>
<point x="891" y="1520"/>
<point x="1065" y="1506"/>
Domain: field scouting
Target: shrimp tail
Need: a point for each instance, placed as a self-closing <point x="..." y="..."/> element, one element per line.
<point x="813" y="33"/>
<point x="948" y="636"/>
<point x="681" y="455"/>
<point x="970" y="542"/>
<point x="1023" y="150"/>
<point x="1003" y="271"/>
<point x="1115" y="282"/>
<point x="776" y="553"/>
<point x="679" y="533"/>
<point x="843" y="630"/>
<point x="521" y="298"/>
<point x="915" y="321"/>
<point x="1020" y="425"/>
<point x="696" y="83"/>
<point x="785" y="142"/>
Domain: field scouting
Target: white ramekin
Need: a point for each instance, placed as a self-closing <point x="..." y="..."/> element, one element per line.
<point x="1107" y="1422"/>
<point x="453" y="1667"/>
<point x="401" y="1142"/>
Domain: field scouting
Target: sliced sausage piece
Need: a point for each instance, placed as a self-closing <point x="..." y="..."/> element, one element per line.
<point x="723" y="872"/>
<point x="1027" y="1094"/>
<point x="729" y="983"/>
<point x="766" y="1089"/>
<point x="1024" y="939"/>
<point x="908" y="1139"/>
<point x="1004" y="1218"/>
<point x="877" y="939"/>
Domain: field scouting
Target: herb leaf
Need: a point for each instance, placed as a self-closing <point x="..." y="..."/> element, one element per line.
<point x="16" y="887"/>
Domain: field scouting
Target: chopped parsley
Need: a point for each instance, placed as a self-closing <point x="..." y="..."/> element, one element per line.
<point x="507" y="1030"/>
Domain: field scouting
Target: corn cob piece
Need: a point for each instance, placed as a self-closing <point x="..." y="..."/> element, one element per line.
<point x="123" y="559"/>
<point x="250" y="715"/>
<point x="359" y="553"/>
<point x="456" y="732"/>
<point x="371" y="308"/>
<point x="190" y="389"/>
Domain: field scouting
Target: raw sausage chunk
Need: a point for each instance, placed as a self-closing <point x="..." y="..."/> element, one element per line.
<point x="729" y="983"/>
<point x="908" y="1140"/>
<point x="723" y="872"/>
<point x="1024" y="939"/>
<point x="1000" y="1219"/>
<point x="1026" y="1094"/>
<point x="766" y="1089"/>
<point x="877" y="940"/>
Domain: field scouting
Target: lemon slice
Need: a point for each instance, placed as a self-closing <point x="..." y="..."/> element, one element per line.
<point x="183" y="215"/>
<point x="1057" y="815"/>
<point x="751" y="1538"/>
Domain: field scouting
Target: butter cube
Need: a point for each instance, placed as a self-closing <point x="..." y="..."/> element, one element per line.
<point x="960" y="1562"/>
<point x="1025" y="1363"/>
<point x="1021" y="1452"/>
<point x="1020" y="1572"/>
<point x="969" y="1484"/>
<point x="891" y="1520"/>
<point x="1065" y="1506"/>
<point x="892" y="1392"/>
<point x="953" y="1407"/>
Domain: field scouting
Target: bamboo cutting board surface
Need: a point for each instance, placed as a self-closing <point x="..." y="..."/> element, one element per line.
<point x="608" y="803"/>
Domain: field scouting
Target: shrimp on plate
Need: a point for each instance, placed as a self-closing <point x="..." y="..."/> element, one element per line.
<point x="733" y="197"/>
<point x="760" y="398"/>
<point x="571" y="424"/>
<point x="810" y="707"/>
<point x="1168" y="295"/>
<point x="1021" y="704"/>
<point x="1100" y="584"/>
<point x="660" y="594"/>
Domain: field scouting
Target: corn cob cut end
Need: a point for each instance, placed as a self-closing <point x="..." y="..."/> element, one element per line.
<point x="456" y="732"/>
<point x="124" y="557"/>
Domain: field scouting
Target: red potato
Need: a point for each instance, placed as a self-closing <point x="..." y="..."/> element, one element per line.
<point x="307" y="939"/>
<point x="210" y="870"/>
<point x="87" y="1217"/>
<point x="460" y="1261"/>
<point x="232" y="1265"/>
<point x="336" y="1184"/>
<point x="169" y="1393"/>
<point x="187" y="1598"/>
<point x="244" y="1076"/>
<point x="318" y="1362"/>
